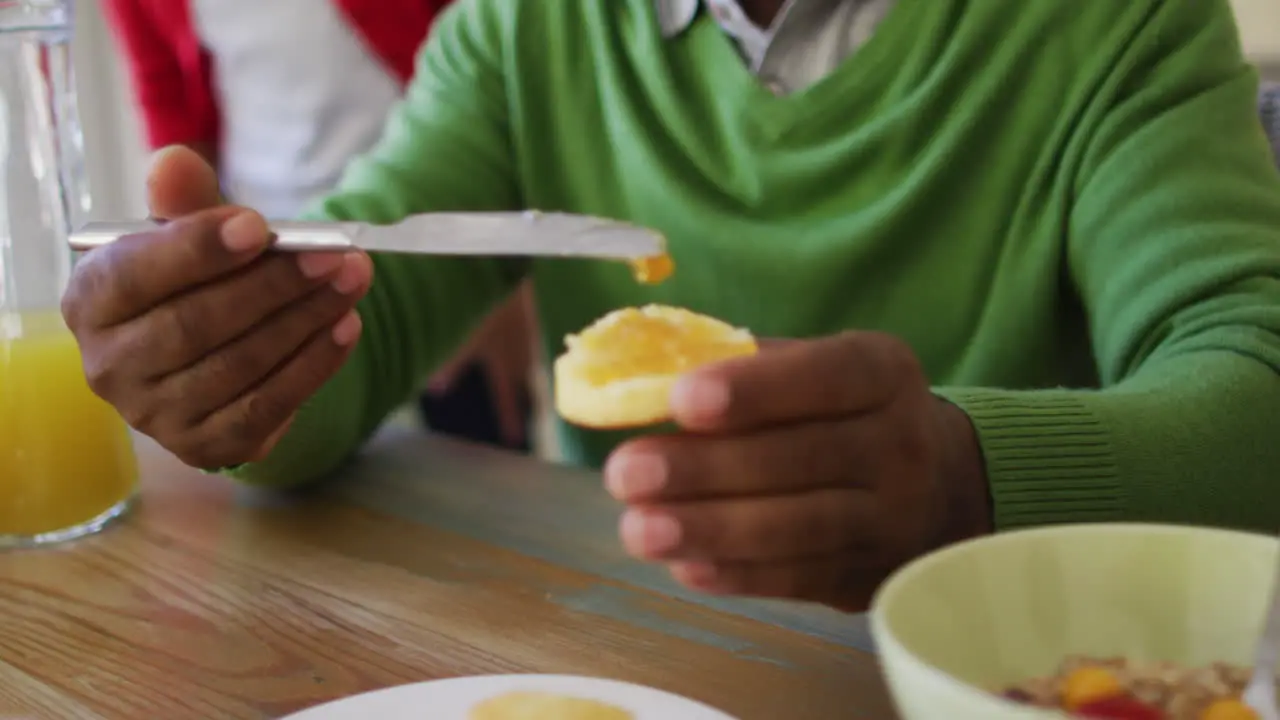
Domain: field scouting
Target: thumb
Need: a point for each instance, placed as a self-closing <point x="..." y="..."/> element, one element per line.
<point x="767" y="344"/>
<point x="180" y="182"/>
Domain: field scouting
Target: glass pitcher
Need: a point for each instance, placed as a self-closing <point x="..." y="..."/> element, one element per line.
<point x="66" y="461"/>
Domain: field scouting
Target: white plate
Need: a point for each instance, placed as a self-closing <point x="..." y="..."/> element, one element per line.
<point x="451" y="699"/>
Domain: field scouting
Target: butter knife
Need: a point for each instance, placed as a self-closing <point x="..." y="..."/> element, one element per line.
<point x="483" y="234"/>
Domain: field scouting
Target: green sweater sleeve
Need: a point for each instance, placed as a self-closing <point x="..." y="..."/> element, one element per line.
<point x="1174" y="248"/>
<point x="446" y="147"/>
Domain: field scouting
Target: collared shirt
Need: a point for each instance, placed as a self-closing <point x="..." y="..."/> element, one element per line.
<point x="1269" y="103"/>
<point x="806" y="41"/>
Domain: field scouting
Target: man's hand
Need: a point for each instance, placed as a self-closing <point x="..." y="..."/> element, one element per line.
<point x="810" y="471"/>
<point x="197" y="335"/>
<point x="504" y="347"/>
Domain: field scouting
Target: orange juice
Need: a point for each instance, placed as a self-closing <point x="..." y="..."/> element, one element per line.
<point x="65" y="455"/>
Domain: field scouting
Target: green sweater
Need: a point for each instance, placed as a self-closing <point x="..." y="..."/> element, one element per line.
<point x="1069" y="210"/>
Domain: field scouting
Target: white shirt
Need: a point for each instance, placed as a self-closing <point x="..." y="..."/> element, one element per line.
<point x="300" y="96"/>
<point x="805" y="43"/>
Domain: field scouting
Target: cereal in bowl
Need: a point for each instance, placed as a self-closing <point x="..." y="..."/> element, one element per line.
<point x="1118" y="689"/>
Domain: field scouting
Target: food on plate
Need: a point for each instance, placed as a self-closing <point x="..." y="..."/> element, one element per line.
<point x="652" y="270"/>
<point x="523" y="705"/>
<point x="618" y="372"/>
<point x="1117" y="689"/>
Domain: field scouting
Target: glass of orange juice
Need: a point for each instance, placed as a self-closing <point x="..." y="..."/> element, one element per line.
<point x="66" y="460"/>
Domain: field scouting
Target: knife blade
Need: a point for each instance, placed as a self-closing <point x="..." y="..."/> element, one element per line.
<point x="480" y="234"/>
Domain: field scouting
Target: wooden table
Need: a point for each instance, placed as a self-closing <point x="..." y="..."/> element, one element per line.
<point x="425" y="559"/>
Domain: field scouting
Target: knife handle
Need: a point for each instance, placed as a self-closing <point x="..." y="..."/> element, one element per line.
<point x="289" y="236"/>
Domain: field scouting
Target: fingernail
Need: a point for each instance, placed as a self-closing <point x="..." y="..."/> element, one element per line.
<point x="632" y="475"/>
<point x="317" y="265"/>
<point x="650" y="534"/>
<point x="161" y="153"/>
<point x="700" y="397"/>
<point x="245" y="231"/>
<point x="352" y="275"/>
<point x="347" y="329"/>
<point x="702" y="575"/>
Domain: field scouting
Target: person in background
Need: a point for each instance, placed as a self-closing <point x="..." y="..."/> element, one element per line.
<point x="1023" y="259"/>
<point x="279" y="96"/>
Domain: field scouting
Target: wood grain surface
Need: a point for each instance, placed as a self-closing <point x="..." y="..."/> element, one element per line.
<point x="210" y="601"/>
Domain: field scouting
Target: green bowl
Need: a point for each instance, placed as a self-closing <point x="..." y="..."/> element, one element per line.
<point x="988" y="613"/>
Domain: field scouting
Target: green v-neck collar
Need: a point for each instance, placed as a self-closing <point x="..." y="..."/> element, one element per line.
<point x="864" y="74"/>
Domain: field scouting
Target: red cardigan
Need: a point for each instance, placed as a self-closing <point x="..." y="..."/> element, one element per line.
<point x="173" y="73"/>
